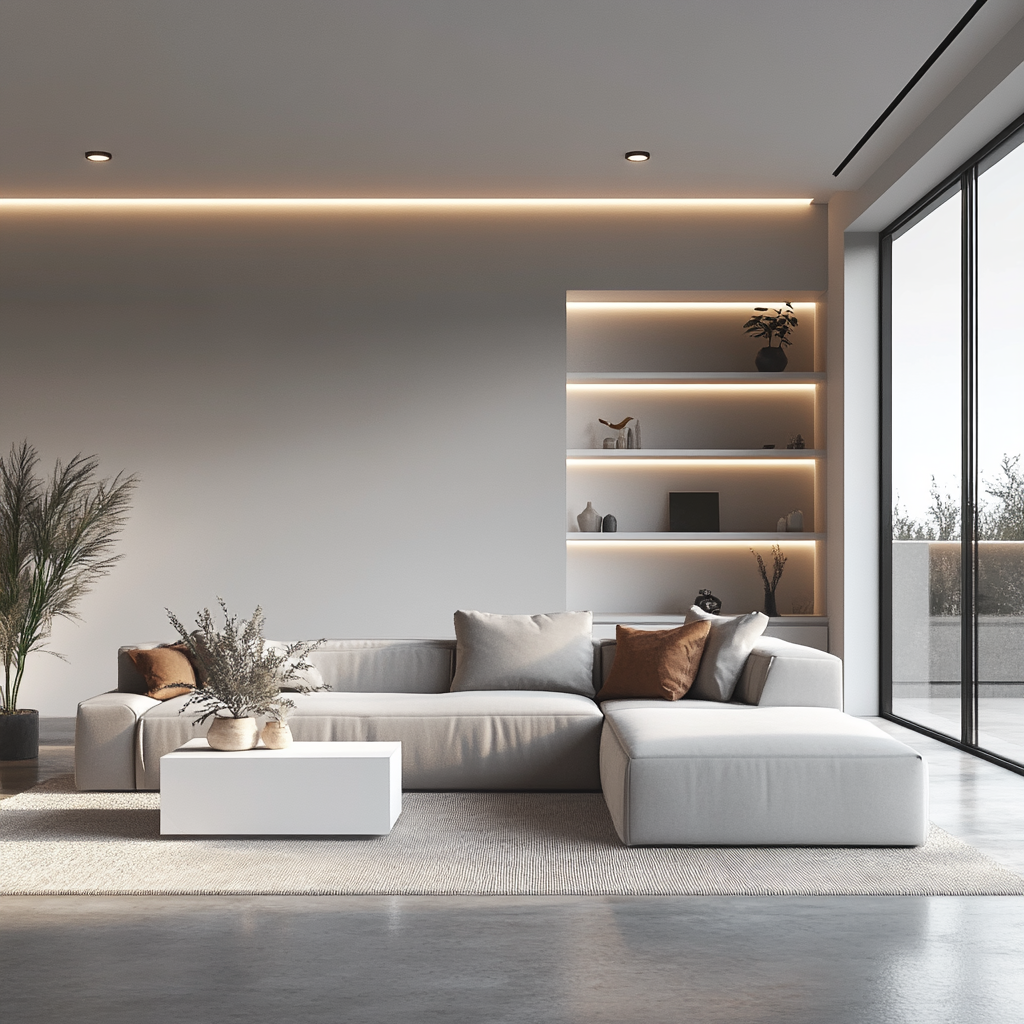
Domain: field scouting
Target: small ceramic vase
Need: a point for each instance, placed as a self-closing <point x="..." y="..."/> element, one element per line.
<point x="609" y="524"/>
<point x="233" y="734"/>
<point x="276" y="735"/>
<point x="589" y="520"/>
<point x="795" y="521"/>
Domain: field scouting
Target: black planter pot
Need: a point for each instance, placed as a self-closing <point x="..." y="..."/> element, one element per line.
<point x="19" y="736"/>
<point x="771" y="360"/>
<point x="770" y="608"/>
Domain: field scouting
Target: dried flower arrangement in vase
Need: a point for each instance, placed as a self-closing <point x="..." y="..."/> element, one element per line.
<point x="241" y="675"/>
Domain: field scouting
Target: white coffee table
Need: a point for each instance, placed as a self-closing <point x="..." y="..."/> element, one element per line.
<point x="306" y="789"/>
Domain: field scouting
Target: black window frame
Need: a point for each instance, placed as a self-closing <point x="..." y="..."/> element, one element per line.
<point x="965" y="181"/>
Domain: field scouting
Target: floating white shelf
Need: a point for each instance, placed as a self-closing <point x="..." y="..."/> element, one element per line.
<point x="655" y="379"/>
<point x="683" y="538"/>
<point x="694" y="453"/>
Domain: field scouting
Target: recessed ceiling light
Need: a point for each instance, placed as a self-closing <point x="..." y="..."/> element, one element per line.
<point x="97" y="156"/>
<point x="638" y="156"/>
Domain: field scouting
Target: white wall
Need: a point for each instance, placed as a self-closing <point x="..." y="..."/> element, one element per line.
<point x="357" y="420"/>
<point x="853" y="361"/>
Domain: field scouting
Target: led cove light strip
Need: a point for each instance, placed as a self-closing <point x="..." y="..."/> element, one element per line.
<point x="698" y="385"/>
<point x="682" y="461"/>
<point x="788" y="537"/>
<point x="389" y="203"/>
<point x="613" y="306"/>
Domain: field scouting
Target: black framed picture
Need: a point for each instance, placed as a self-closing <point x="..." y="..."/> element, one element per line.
<point x="693" y="512"/>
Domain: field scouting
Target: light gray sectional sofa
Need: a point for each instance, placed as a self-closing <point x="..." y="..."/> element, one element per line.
<point x="768" y="764"/>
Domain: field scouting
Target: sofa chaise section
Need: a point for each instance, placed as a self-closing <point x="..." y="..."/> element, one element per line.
<point x="730" y="775"/>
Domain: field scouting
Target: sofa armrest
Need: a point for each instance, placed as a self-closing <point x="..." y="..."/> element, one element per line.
<point x="105" y="739"/>
<point x="781" y="674"/>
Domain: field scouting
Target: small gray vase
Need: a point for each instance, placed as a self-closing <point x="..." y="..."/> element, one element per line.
<point x="589" y="520"/>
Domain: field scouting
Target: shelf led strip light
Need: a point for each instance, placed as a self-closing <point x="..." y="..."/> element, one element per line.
<point x="787" y="538"/>
<point x="698" y="385"/>
<point x="615" y="305"/>
<point x="710" y="460"/>
<point x="392" y="202"/>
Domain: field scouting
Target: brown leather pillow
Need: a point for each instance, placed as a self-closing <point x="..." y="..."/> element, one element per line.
<point x="166" y="670"/>
<point x="655" y="663"/>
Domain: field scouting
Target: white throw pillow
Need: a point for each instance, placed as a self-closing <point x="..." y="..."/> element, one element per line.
<point x="729" y="643"/>
<point x="524" y="652"/>
<point x="303" y="677"/>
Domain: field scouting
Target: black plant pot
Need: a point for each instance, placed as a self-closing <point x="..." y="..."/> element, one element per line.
<point x="771" y="360"/>
<point x="770" y="608"/>
<point x="19" y="736"/>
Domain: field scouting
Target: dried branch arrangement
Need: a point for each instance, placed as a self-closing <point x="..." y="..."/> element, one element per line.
<point x="239" y="672"/>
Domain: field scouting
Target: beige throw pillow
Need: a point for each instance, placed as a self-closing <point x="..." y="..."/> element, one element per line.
<point x="729" y="643"/>
<point x="524" y="652"/>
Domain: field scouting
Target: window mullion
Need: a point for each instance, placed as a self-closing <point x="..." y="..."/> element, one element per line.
<point x="969" y="471"/>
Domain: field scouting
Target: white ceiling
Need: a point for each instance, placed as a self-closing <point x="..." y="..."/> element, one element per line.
<point x="466" y="97"/>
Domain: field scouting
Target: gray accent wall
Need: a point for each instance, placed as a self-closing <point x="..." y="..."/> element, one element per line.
<point x="356" y="419"/>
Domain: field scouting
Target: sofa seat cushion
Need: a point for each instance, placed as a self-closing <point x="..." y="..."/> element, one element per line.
<point x="475" y="739"/>
<point x="759" y="776"/>
<point x="682" y="706"/>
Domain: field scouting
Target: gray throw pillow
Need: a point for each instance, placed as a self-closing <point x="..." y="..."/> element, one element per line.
<point x="729" y="643"/>
<point x="524" y="652"/>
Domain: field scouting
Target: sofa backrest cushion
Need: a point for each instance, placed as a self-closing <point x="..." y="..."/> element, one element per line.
<point x="386" y="666"/>
<point x="353" y="666"/>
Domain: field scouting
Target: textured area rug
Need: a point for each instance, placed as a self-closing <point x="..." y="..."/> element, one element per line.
<point x="55" y="840"/>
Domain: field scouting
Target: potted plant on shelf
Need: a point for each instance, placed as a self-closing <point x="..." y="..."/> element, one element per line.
<point x="56" y="539"/>
<point x="772" y="324"/>
<point x="241" y="676"/>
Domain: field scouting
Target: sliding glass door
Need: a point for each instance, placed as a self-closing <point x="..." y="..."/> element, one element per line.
<point x="925" y="461"/>
<point x="953" y="458"/>
<point x="1000" y="447"/>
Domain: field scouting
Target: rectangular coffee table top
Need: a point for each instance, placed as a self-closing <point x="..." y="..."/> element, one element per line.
<point x="330" y="788"/>
<point x="200" y="748"/>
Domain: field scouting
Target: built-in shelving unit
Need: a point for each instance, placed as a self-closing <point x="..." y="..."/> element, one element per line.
<point x="680" y="362"/>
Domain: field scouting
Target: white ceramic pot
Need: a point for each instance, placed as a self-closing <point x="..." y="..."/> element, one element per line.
<point x="276" y="735"/>
<point x="233" y="734"/>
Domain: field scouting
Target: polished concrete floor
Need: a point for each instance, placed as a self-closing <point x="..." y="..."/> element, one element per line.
<point x="1000" y="720"/>
<point x="870" y="960"/>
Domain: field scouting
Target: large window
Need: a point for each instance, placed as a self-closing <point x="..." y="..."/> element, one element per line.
<point x="953" y="458"/>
